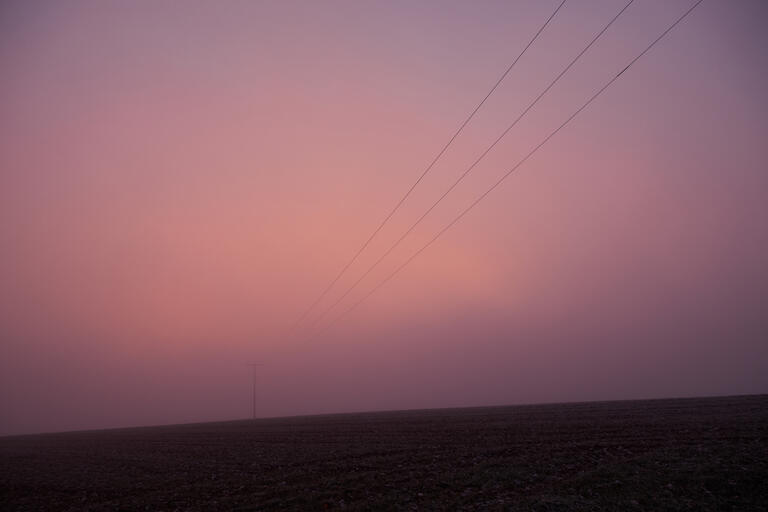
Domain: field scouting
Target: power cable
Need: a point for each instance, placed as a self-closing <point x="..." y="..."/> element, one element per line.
<point x="510" y="171"/>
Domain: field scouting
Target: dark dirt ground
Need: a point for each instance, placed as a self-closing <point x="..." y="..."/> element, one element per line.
<point x="680" y="454"/>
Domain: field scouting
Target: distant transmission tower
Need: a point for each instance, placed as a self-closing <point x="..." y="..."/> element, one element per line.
<point x="254" y="365"/>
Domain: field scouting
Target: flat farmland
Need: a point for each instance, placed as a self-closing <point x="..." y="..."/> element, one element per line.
<point x="672" y="454"/>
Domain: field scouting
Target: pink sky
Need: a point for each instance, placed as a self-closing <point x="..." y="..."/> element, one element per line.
<point x="178" y="184"/>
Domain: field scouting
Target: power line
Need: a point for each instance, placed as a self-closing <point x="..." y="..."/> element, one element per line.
<point x="424" y="173"/>
<point x="475" y="163"/>
<point x="512" y="170"/>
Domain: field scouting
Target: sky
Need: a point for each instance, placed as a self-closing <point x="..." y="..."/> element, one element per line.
<point x="180" y="181"/>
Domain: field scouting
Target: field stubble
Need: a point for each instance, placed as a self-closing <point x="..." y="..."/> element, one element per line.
<point x="677" y="454"/>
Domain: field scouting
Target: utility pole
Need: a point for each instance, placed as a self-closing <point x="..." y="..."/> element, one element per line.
<point x="254" y="365"/>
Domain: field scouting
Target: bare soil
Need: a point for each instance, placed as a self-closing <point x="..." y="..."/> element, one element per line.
<point x="680" y="454"/>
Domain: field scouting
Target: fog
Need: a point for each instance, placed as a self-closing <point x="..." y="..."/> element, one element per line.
<point x="177" y="186"/>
